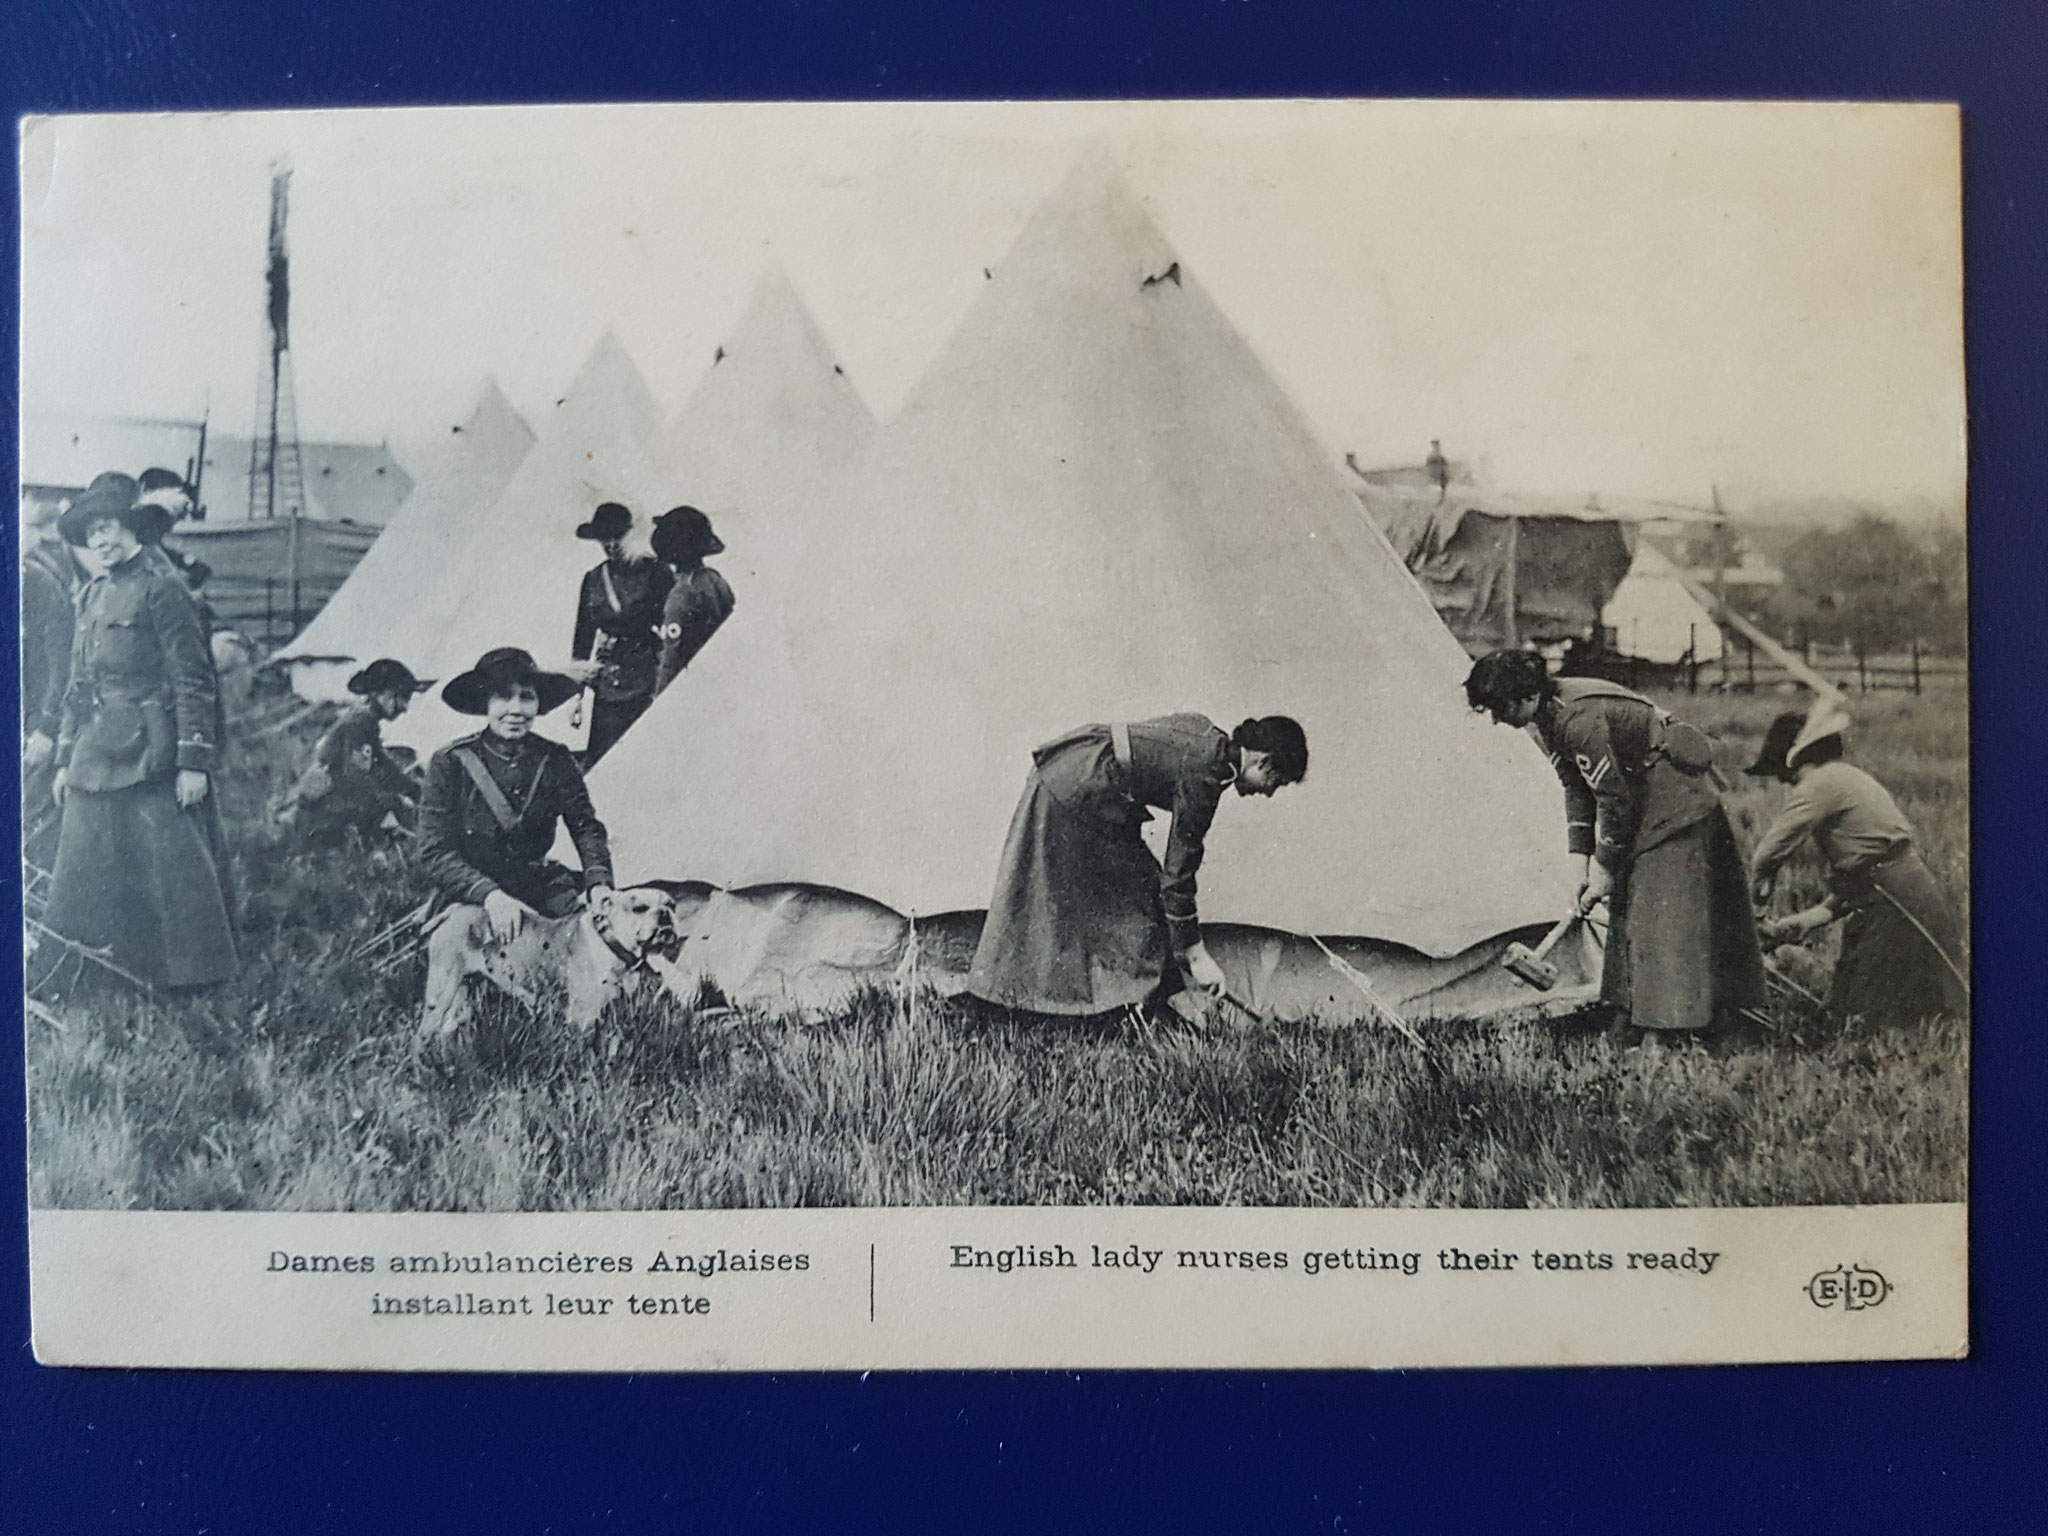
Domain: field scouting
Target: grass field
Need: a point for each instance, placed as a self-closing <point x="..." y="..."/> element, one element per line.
<point x="299" y="1086"/>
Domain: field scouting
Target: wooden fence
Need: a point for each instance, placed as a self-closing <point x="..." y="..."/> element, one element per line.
<point x="1742" y="668"/>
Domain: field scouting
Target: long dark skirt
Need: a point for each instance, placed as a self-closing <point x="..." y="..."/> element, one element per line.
<point x="1682" y="953"/>
<point x="1899" y="927"/>
<point x="1075" y="924"/>
<point x="148" y="882"/>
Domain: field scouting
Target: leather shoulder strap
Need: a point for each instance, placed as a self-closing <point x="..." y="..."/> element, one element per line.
<point x="494" y="797"/>
<point x="611" y="593"/>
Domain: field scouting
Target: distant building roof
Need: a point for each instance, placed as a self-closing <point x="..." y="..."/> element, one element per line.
<point x="351" y="482"/>
<point x="345" y="482"/>
<point x="62" y="451"/>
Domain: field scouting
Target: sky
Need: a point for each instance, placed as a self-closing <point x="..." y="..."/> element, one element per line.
<point x="1644" y="299"/>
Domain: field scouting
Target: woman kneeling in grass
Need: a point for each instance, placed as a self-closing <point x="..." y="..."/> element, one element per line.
<point x="1084" y="919"/>
<point x="1901" y="957"/>
<point x="1653" y="841"/>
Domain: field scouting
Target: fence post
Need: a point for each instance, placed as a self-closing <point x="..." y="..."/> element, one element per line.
<point x="1916" y="666"/>
<point x="1862" y="674"/>
<point x="1692" y="658"/>
<point x="1749" y="656"/>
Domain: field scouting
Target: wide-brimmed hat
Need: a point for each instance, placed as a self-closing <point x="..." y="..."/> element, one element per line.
<point x="609" y="521"/>
<point x="1792" y="735"/>
<point x="495" y="671"/>
<point x="684" y="533"/>
<point x="384" y="675"/>
<point x="1770" y="757"/>
<point x="113" y="495"/>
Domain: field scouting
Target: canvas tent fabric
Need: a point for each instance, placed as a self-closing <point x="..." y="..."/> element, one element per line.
<point x="1655" y="618"/>
<point x="759" y="443"/>
<point x="373" y="610"/>
<point x="1096" y="505"/>
<point x="511" y="577"/>
<point x="1504" y="570"/>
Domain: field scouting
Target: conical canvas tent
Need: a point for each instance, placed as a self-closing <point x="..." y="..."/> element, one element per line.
<point x="1654" y="617"/>
<point x="381" y="610"/>
<point x="763" y="438"/>
<point x="513" y="580"/>
<point x="1098" y="505"/>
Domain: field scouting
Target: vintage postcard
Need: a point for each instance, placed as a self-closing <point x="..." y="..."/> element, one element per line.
<point x="1278" y="734"/>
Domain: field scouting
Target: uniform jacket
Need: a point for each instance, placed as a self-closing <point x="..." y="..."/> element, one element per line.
<point x="1621" y="796"/>
<point x="462" y="847"/>
<point x="48" y="591"/>
<point x="1179" y="764"/>
<point x="140" y="703"/>
<point x="359" y="771"/>
<point x="1851" y="816"/>
<point x="618" y="620"/>
<point x="697" y="604"/>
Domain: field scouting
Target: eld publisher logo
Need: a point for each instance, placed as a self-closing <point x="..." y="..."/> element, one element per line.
<point x="1853" y="1289"/>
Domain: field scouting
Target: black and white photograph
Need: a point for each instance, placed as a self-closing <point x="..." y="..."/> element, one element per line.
<point x="1339" y="657"/>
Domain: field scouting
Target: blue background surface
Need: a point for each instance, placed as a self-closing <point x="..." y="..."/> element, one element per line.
<point x="1924" y="1447"/>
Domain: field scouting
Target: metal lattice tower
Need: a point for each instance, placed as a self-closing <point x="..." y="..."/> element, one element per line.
<point x="277" y="476"/>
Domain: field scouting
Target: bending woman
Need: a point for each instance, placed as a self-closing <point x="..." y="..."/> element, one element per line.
<point x="1083" y="919"/>
<point x="1902" y="953"/>
<point x="1653" y="841"/>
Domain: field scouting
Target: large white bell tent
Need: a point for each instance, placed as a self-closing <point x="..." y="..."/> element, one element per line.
<point x="384" y="608"/>
<point x="513" y="578"/>
<point x="1097" y="505"/>
<point x="763" y="438"/>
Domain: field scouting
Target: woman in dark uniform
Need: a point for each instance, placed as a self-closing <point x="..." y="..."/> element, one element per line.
<point x="1083" y="919"/>
<point x="353" y="781"/>
<point x="1902" y="952"/>
<point x="1643" y="817"/>
<point x="493" y="801"/>
<point x="618" y="629"/>
<point x="699" y="601"/>
<point x="142" y="870"/>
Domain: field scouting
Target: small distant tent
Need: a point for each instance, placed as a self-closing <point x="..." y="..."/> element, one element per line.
<point x="1504" y="570"/>
<point x="1653" y="617"/>
<point x="762" y="440"/>
<point x="380" y="608"/>
<point x="511" y="577"/>
<point x="1097" y="505"/>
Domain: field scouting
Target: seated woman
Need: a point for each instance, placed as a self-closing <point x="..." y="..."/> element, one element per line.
<point x="492" y="801"/>
<point x="1902" y="954"/>
<point x="142" y="871"/>
<point x="1083" y="919"/>
<point x="352" y="780"/>
<point x="1644" y="819"/>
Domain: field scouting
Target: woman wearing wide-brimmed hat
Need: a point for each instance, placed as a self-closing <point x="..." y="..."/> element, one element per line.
<point x="493" y="800"/>
<point x="1643" y="815"/>
<point x="1902" y="952"/>
<point x="142" y="870"/>
<point x="353" y="781"/>
<point x="618" y="629"/>
<point x="1083" y="919"/>
<point x="700" y="600"/>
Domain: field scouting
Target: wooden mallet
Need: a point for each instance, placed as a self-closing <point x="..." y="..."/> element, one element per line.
<point x="1535" y="965"/>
